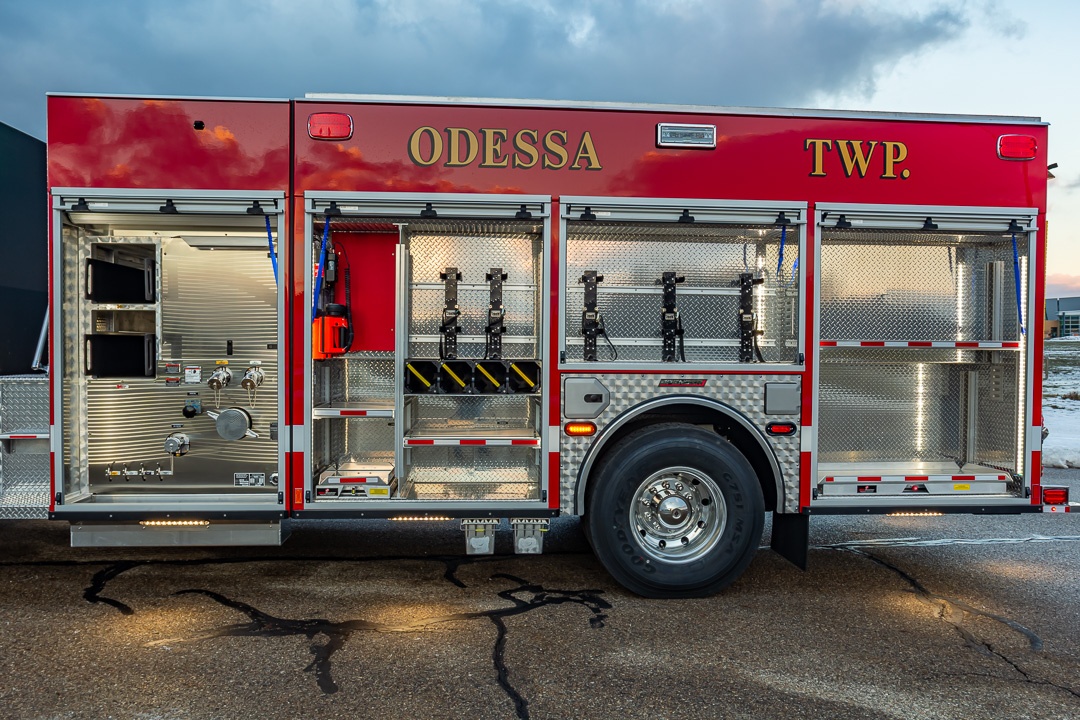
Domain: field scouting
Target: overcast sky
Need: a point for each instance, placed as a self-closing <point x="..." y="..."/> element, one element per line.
<point x="965" y="56"/>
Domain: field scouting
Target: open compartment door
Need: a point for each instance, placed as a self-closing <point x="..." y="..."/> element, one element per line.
<point x="923" y="392"/>
<point x="167" y="373"/>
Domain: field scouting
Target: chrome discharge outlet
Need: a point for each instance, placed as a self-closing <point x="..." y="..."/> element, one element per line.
<point x="233" y="423"/>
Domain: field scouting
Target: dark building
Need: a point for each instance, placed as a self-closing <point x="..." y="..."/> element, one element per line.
<point x="1063" y="317"/>
<point x="23" y="238"/>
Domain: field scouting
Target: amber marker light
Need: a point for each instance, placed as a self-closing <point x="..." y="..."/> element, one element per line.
<point x="189" y="524"/>
<point x="580" y="429"/>
<point x="418" y="518"/>
<point x="915" y="514"/>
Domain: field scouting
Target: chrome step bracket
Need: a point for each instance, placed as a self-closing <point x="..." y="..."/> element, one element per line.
<point x="479" y="535"/>
<point x="529" y="535"/>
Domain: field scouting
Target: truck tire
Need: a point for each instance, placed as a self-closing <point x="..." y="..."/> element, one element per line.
<point x="674" y="511"/>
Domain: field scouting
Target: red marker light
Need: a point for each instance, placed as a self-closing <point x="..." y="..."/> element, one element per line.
<point x="781" y="428"/>
<point x="1017" y="147"/>
<point x="1055" y="495"/>
<point x="329" y="126"/>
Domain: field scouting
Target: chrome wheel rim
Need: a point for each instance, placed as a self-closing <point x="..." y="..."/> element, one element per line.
<point x="678" y="514"/>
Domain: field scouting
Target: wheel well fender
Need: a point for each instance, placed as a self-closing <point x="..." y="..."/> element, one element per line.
<point x="728" y="422"/>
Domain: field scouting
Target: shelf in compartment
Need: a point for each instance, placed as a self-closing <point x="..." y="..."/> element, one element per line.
<point x="374" y="408"/>
<point x="911" y="479"/>
<point x="937" y="344"/>
<point x="25" y="435"/>
<point x="472" y="483"/>
<point x="423" y="434"/>
<point x="470" y="286"/>
<point x="148" y="307"/>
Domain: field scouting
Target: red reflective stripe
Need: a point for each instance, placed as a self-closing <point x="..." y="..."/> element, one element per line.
<point x="967" y="344"/>
<point x="920" y="343"/>
<point x="829" y="479"/>
<point x="524" y="442"/>
<point x="862" y="478"/>
<point x="916" y="478"/>
<point x="473" y="442"/>
<point x="1010" y="344"/>
<point x="419" y="442"/>
<point x="958" y="478"/>
<point x="873" y="343"/>
<point x="828" y="343"/>
<point x="353" y="413"/>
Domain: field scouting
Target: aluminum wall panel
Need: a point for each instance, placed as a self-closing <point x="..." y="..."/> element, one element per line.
<point x="24" y="464"/>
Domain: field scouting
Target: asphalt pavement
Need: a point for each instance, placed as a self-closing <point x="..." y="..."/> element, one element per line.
<point x="946" y="617"/>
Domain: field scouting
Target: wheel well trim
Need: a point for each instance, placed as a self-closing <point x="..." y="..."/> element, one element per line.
<point x="602" y="440"/>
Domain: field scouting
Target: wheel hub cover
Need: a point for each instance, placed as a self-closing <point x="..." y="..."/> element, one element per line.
<point x="673" y="511"/>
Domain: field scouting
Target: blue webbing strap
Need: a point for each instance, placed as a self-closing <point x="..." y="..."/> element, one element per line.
<point x="780" y="260"/>
<point x="322" y="268"/>
<point x="270" y="239"/>
<point x="1016" y="276"/>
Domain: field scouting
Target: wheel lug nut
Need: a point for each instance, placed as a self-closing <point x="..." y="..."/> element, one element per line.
<point x="666" y="485"/>
<point x="678" y="487"/>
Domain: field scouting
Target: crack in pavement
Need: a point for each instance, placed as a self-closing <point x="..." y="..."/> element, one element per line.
<point x="525" y="597"/>
<point x="948" y="611"/>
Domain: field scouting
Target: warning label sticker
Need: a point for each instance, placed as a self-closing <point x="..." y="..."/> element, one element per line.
<point x="249" y="479"/>
<point x="193" y="374"/>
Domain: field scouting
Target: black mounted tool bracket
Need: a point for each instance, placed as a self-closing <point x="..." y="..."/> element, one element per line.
<point x="495" y="327"/>
<point x="670" y="322"/>
<point x="591" y="322"/>
<point x="451" y="312"/>
<point x="748" y="332"/>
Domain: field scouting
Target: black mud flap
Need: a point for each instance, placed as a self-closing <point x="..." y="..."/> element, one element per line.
<point x="791" y="537"/>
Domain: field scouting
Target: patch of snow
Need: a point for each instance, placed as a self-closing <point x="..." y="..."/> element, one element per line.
<point x="1061" y="408"/>
<point x="1062" y="446"/>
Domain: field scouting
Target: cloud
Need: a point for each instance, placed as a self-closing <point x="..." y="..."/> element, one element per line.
<point x="1060" y="285"/>
<point x="725" y="52"/>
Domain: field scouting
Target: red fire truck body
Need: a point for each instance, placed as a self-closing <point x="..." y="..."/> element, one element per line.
<point x="667" y="320"/>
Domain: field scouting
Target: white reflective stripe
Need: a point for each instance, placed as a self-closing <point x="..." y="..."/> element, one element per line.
<point x="553" y="437"/>
<point x="808" y="440"/>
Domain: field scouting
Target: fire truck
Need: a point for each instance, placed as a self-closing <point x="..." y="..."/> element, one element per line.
<point x="667" y="320"/>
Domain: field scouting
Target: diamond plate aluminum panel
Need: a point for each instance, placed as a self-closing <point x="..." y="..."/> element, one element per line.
<point x="745" y="393"/>
<point x="24" y="403"/>
<point x="633" y="256"/>
<point x="357" y="377"/>
<point x="996" y="434"/>
<point x="907" y="405"/>
<point x="24" y="485"/>
<point x="474" y="473"/>
<point x="882" y="285"/>
<point x="475" y="412"/>
<point x="339" y="440"/>
<point x="517" y="253"/>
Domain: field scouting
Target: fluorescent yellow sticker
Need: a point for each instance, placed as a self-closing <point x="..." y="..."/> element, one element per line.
<point x="373" y="492"/>
<point x="961" y="486"/>
<point x="221" y="362"/>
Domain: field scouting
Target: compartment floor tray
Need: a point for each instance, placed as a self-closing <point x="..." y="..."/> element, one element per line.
<point x="910" y="479"/>
<point x="472" y="491"/>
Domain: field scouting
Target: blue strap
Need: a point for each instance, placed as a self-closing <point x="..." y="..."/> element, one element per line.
<point x="780" y="260"/>
<point x="322" y="268"/>
<point x="270" y="239"/>
<point x="794" y="273"/>
<point x="1016" y="276"/>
